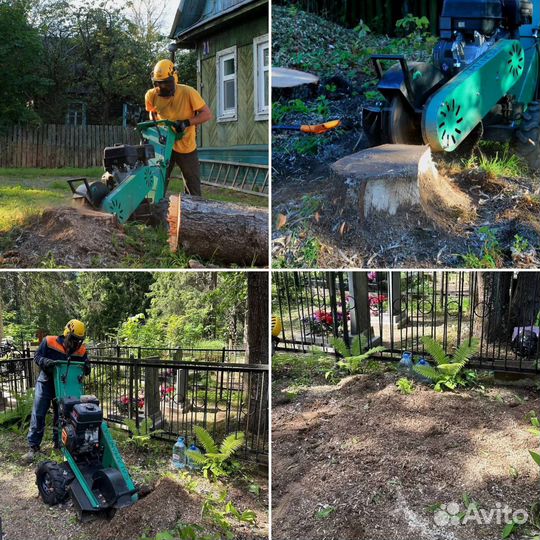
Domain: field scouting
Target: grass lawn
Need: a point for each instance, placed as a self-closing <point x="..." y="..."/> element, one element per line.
<point x="26" y="193"/>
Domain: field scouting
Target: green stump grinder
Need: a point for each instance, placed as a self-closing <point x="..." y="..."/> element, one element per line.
<point x="93" y="473"/>
<point x="133" y="173"/>
<point x="482" y="82"/>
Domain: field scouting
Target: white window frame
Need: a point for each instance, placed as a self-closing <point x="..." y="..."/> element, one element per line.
<point x="228" y="115"/>
<point x="262" y="112"/>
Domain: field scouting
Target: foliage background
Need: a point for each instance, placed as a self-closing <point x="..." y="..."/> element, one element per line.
<point x="101" y="53"/>
<point x="203" y="309"/>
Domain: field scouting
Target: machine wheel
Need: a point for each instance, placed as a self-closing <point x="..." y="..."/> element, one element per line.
<point x="528" y="136"/>
<point x="52" y="483"/>
<point x="403" y="127"/>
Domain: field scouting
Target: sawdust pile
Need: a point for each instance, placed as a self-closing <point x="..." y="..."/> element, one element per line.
<point x="159" y="511"/>
<point x="71" y="237"/>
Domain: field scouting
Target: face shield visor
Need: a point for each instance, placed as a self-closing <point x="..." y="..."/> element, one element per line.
<point x="166" y="87"/>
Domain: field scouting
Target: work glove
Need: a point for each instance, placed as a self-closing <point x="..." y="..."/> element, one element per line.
<point x="180" y="125"/>
<point x="48" y="363"/>
<point x="86" y="368"/>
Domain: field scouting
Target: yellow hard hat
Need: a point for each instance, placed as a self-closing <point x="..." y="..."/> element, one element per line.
<point x="163" y="70"/>
<point x="76" y="328"/>
<point x="276" y="326"/>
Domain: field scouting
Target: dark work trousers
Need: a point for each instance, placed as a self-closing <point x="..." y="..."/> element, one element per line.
<point x="191" y="171"/>
<point x="44" y="396"/>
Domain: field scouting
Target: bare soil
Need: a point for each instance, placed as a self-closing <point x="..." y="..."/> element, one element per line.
<point x="380" y="460"/>
<point x="26" y="517"/>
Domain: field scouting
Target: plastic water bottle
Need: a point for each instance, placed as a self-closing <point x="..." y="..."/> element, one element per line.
<point x="179" y="453"/>
<point x="189" y="462"/>
<point x="406" y="362"/>
<point x="421" y="378"/>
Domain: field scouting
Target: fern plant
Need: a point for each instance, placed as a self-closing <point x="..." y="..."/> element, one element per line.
<point x="141" y="437"/>
<point x="216" y="461"/>
<point x="18" y="419"/>
<point x="447" y="374"/>
<point x="353" y="357"/>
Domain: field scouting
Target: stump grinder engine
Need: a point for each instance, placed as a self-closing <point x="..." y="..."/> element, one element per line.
<point x="133" y="173"/>
<point x="93" y="473"/>
<point x="482" y="82"/>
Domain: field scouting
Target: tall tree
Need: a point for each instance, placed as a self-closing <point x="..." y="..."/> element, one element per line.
<point x="20" y="57"/>
<point x="109" y="298"/>
<point x="257" y="318"/>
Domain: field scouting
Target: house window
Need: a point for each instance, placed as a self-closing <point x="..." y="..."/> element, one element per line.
<point x="227" y="75"/>
<point x="76" y="114"/>
<point x="261" y="66"/>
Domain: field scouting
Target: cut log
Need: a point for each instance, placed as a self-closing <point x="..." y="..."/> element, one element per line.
<point x="218" y="231"/>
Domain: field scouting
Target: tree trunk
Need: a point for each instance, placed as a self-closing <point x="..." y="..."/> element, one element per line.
<point x="257" y="348"/>
<point x="525" y="300"/>
<point x="491" y="305"/>
<point x="257" y="318"/>
<point x="218" y="231"/>
<point x="1" y="320"/>
<point x="505" y="303"/>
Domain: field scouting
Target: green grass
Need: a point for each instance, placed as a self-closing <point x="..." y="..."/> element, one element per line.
<point x="302" y="369"/>
<point x="25" y="193"/>
<point x="498" y="161"/>
<point x="18" y="203"/>
<point x="176" y="185"/>
<point x="66" y="172"/>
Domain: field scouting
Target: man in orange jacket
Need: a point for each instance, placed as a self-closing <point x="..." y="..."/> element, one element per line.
<point x="51" y="350"/>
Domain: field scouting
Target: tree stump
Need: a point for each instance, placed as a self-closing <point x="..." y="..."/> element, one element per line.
<point x="218" y="231"/>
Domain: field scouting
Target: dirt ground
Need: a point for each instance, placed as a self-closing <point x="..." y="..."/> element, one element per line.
<point x="26" y="517"/>
<point x="360" y="461"/>
<point x="507" y="206"/>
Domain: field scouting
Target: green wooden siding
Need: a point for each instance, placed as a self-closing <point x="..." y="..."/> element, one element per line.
<point x="245" y="129"/>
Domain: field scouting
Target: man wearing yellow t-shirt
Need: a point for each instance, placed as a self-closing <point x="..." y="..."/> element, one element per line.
<point x="183" y="105"/>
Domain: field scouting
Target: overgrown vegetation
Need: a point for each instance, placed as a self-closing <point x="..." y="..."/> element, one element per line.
<point x="136" y="308"/>
<point x="18" y="418"/>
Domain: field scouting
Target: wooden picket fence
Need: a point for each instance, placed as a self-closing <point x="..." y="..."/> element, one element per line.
<point x="54" y="146"/>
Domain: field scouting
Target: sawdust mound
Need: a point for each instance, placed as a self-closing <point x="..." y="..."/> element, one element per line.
<point x="73" y="237"/>
<point x="158" y="511"/>
<point x="441" y="199"/>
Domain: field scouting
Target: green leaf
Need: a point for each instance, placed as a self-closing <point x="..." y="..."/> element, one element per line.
<point x="465" y="351"/>
<point x="450" y="369"/>
<point x="232" y="443"/>
<point x="248" y="516"/>
<point x="205" y="440"/>
<point x="340" y="346"/>
<point x="535" y="456"/>
<point x="255" y="489"/>
<point x="435" y="350"/>
<point x="431" y="373"/>
<point x="323" y="513"/>
<point x="508" y="530"/>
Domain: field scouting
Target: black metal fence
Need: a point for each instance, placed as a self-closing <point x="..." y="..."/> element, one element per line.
<point x="396" y="309"/>
<point x="179" y="354"/>
<point x="170" y="396"/>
